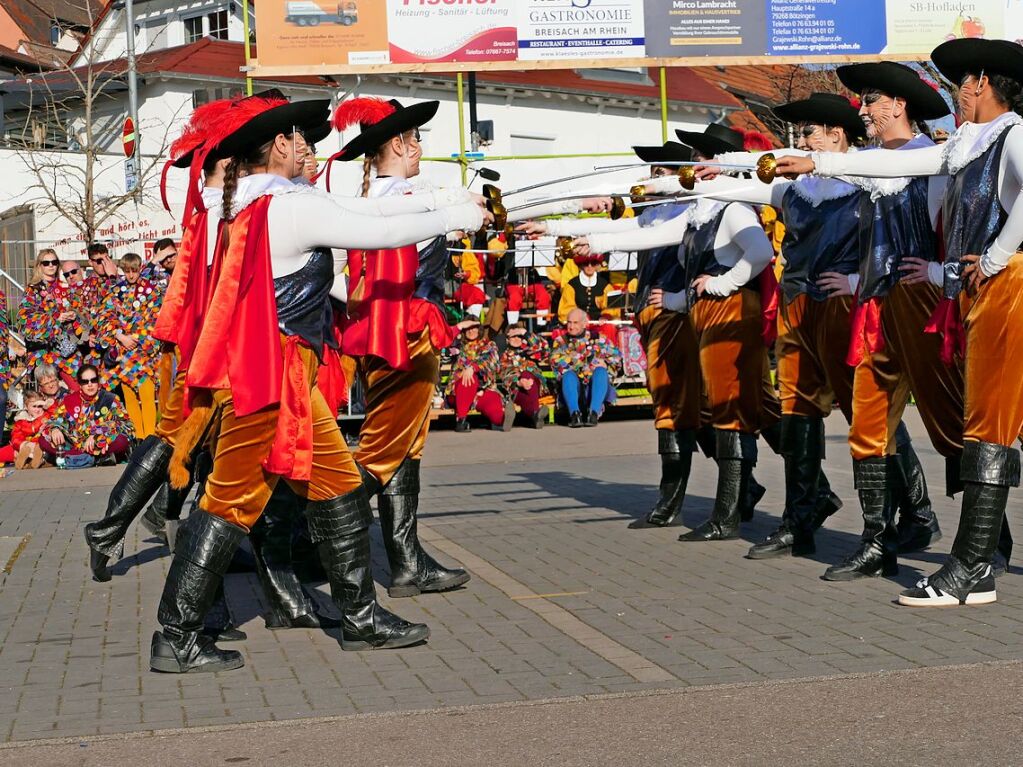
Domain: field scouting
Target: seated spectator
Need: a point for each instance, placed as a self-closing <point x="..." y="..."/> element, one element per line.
<point x="132" y="354"/>
<point x="51" y="317"/>
<point x="5" y="359"/>
<point x="473" y="382"/>
<point x="50" y="384"/>
<point x="583" y="363"/>
<point x="89" y="421"/>
<point x="521" y="374"/>
<point x="24" y="450"/>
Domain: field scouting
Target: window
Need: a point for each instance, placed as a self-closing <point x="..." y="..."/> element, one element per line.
<point x="193" y="29"/>
<point x="205" y="95"/>
<point x="218" y="25"/>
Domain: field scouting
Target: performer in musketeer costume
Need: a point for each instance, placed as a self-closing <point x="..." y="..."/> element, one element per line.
<point x="982" y="224"/>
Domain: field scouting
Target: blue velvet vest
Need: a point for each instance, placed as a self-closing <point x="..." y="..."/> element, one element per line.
<point x="818" y="239"/>
<point x="659" y="267"/>
<point x="893" y="227"/>
<point x="430" y="275"/>
<point x="303" y="301"/>
<point x="697" y="250"/>
<point x="972" y="215"/>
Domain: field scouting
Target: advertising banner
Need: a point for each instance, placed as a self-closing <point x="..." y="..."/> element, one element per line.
<point x="580" y="29"/>
<point x="350" y="36"/>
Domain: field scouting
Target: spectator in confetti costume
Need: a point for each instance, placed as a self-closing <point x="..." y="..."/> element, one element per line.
<point x="473" y="382"/>
<point x="50" y="316"/>
<point x="90" y="422"/>
<point x="583" y="363"/>
<point x="521" y="374"/>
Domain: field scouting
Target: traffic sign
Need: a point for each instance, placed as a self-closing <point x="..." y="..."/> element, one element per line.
<point x="128" y="137"/>
<point x="131" y="175"/>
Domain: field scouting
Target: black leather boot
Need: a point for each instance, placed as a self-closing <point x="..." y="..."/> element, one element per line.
<point x="167" y="504"/>
<point x="676" y="451"/>
<point x="802" y="449"/>
<point x="877" y="481"/>
<point x="736" y="457"/>
<point x="219" y="624"/>
<point x="204" y="549"/>
<point x="706" y="439"/>
<point x="827" y="502"/>
<point x="988" y="471"/>
<point x="413" y="571"/>
<point x="340" y="529"/>
<point x="271" y="539"/>
<point x="918" y="526"/>
<point x="142" y="477"/>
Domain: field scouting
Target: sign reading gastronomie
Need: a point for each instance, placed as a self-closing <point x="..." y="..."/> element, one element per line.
<point x="352" y="36"/>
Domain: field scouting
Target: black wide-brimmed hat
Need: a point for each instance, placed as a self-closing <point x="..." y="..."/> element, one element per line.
<point x="922" y="98"/>
<point x="714" y="140"/>
<point x="671" y="151"/>
<point x="824" y="109"/>
<point x="378" y="121"/>
<point x="955" y="58"/>
<point x="259" y="120"/>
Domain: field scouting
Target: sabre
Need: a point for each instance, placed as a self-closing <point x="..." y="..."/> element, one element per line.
<point x="766" y="168"/>
<point x="617" y="204"/>
<point x="691" y="197"/>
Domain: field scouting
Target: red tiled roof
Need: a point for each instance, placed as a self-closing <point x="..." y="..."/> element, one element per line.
<point x="769" y="84"/>
<point x="16" y="60"/>
<point x="33" y="17"/>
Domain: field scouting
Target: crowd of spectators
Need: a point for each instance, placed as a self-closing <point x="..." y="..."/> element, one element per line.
<point x="85" y="386"/>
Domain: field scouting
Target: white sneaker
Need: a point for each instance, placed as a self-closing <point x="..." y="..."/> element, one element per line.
<point x="926" y="595"/>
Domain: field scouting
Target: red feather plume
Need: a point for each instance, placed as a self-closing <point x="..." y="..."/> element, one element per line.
<point x="238" y="114"/>
<point x="755" y="141"/>
<point x="364" y="110"/>
<point x="198" y="127"/>
<point x="854" y="102"/>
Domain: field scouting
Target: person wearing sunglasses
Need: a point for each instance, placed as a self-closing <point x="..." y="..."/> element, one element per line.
<point x="50" y="316"/>
<point x="93" y="291"/>
<point x="90" y="421"/>
<point x="165" y="258"/>
<point x="72" y="273"/>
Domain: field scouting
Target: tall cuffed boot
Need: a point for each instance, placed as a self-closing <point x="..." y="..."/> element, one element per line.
<point x="204" y="549"/>
<point x="166" y="505"/>
<point x="340" y="528"/>
<point x="918" y="526"/>
<point x="145" y="472"/>
<point x="676" y="451"/>
<point x="878" y="481"/>
<point x="988" y="471"/>
<point x="271" y="539"/>
<point x="736" y="457"/>
<point x="706" y="440"/>
<point x="802" y="449"/>
<point x="413" y="571"/>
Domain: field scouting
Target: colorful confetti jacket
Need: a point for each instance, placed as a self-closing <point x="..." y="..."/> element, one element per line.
<point x="40" y="308"/>
<point x="579" y="353"/>
<point x="103" y="418"/>
<point x="93" y="291"/>
<point x="5" y="341"/>
<point x="130" y="309"/>
<point x="528" y="358"/>
<point x="482" y="357"/>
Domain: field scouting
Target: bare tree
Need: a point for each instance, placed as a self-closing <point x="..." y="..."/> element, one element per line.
<point x="63" y="136"/>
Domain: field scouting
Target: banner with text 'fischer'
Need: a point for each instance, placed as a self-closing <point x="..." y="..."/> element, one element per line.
<point x="350" y="36"/>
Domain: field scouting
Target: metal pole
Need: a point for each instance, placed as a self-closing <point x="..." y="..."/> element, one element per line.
<point x="248" y="47"/>
<point x="474" y="134"/>
<point x="664" y="105"/>
<point x="133" y="92"/>
<point x="462" y="159"/>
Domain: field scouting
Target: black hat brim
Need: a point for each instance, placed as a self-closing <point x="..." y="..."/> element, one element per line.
<point x="375" y="136"/>
<point x="708" y="146"/>
<point x="301" y="115"/>
<point x="671" y="151"/>
<point x="955" y="58"/>
<point x="820" y="112"/>
<point x="316" y="134"/>
<point x="925" y="103"/>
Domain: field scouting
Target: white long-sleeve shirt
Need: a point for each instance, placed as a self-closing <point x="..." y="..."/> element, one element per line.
<point x="740" y="242"/>
<point x="968" y="142"/>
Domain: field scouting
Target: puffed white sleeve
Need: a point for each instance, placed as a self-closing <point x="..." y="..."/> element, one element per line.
<point x="392" y="205"/>
<point x="307" y="221"/>
<point x="1010" y="180"/>
<point x="881" y="163"/>
<point x="339" y="289"/>
<point x="742" y="228"/>
<point x="748" y="190"/>
<point x="580" y="227"/>
<point x="641" y="238"/>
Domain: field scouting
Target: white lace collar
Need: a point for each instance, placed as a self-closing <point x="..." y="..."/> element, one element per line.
<point x="817" y="189"/>
<point x="703" y="211"/>
<point x="971" y="140"/>
<point x="251" y="188"/>
<point x="588" y="281"/>
<point x="883" y="187"/>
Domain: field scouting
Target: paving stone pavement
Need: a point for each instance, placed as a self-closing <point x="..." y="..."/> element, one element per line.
<point x="564" y="601"/>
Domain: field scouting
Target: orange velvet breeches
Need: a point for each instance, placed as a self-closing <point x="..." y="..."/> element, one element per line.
<point x="239" y="487"/>
<point x="909" y="361"/>
<point x="732" y="359"/>
<point x="672" y="368"/>
<point x="813" y="339"/>
<point x="994" y="358"/>
<point x="397" y="409"/>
